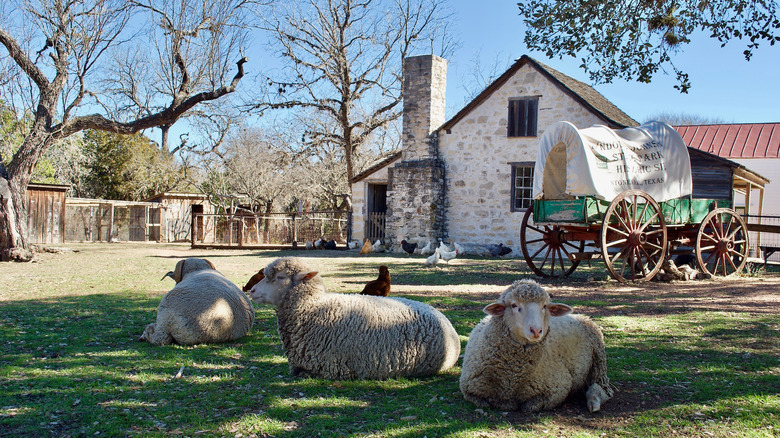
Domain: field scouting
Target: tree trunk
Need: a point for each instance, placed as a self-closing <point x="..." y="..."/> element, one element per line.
<point x="14" y="233"/>
<point x="266" y="221"/>
<point x="14" y="244"/>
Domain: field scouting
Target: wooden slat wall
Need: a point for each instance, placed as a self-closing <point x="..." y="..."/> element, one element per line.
<point x="711" y="179"/>
<point x="46" y="215"/>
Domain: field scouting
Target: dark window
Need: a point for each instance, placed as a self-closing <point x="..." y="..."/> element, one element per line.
<point x="522" y="185"/>
<point x="522" y="117"/>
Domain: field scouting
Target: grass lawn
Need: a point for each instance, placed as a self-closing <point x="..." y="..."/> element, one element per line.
<point x="695" y="359"/>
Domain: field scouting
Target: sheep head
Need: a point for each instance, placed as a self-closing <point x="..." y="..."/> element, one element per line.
<point x="187" y="266"/>
<point x="526" y="309"/>
<point x="254" y="280"/>
<point x="281" y="275"/>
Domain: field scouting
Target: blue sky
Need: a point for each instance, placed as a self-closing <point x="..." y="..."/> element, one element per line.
<point x="725" y="86"/>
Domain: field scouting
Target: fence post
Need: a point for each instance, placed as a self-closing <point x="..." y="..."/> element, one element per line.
<point x="192" y="227"/>
<point x="294" y="230"/>
<point x="349" y="227"/>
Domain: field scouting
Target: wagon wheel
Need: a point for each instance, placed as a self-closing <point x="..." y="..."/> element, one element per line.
<point x="554" y="247"/>
<point x="633" y="236"/>
<point x="722" y="243"/>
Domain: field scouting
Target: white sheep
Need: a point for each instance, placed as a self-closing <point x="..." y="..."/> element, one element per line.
<point x="204" y="307"/>
<point x="519" y="358"/>
<point x="352" y="336"/>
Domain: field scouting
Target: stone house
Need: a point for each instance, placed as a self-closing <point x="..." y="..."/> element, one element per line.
<point x="469" y="179"/>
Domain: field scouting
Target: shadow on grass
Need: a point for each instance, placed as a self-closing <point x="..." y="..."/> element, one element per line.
<point x="73" y="366"/>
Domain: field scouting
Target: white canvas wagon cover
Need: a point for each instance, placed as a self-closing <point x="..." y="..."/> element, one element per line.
<point x="602" y="162"/>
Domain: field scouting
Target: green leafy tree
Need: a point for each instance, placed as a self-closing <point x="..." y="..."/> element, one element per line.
<point x="127" y="167"/>
<point x="635" y="39"/>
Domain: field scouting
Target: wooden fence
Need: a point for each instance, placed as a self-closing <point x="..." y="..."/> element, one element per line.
<point x="98" y="220"/>
<point x="274" y="230"/>
<point x="375" y="226"/>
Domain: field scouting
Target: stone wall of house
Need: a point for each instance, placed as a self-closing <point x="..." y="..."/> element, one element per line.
<point x="478" y="156"/>
<point x="416" y="192"/>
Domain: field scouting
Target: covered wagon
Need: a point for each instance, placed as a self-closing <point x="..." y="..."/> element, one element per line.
<point x="626" y="196"/>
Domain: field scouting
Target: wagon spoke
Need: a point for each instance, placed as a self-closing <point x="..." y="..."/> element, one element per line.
<point x="563" y="248"/>
<point x="535" y="240"/>
<point x="731" y="262"/>
<point x="649" y="221"/>
<point x="617" y="242"/>
<point x="711" y="255"/>
<point x="547" y="245"/>
<point x="561" y="258"/>
<point x="544" y="259"/>
<point x="567" y="243"/>
<point x="654" y="245"/>
<point x="650" y="257"/>
<point x="617" y="230"/>
<point x="710" y="238"/>
<point x="624" y="211"/>
<point x="537" y="229"/>
<point x="728" y="223"/>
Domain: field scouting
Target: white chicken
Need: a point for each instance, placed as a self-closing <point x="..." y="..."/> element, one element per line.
<point x="318" y="243"/>
<point x="377" y="246"/>
<point x="309" y="245"/>
<point x="458" y="249"/>
<point x="443" y="246"/>
<point x="447" y="255"/>
<point x="354" y="244"/>
<point x="434" y="259"/>
<point x="426" y="249"/>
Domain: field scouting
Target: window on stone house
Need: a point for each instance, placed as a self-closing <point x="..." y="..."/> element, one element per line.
<point x="522" y="185"/>
<point x="522" y="116"/>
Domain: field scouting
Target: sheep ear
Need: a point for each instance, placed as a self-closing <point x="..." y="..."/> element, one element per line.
<point x="210" y="264"/>
<point x="305" y="276"/>
<point x="178" y="270"/>
<point x="495" y="309"/>
<point x="558" y="309"/>
<point x="169" y="274"/>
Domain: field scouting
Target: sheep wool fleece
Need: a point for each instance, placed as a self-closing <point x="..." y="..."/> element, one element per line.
<point x="499" y="372"/>
<point x="203" y="307"/>
<point x="352" y="336"/>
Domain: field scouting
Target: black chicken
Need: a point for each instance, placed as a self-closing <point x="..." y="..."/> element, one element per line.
<point x="500" y="250"/>
<point x="408" y="247"/>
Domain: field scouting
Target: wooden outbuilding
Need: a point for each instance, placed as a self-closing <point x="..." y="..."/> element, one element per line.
<point x="46" y="212"/>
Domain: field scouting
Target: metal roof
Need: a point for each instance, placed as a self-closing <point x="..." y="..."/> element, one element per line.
<point x="737" y="140"/>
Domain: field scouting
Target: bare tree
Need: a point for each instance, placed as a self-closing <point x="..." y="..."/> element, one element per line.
<point x="343" y="59"/>
<point x="62" y="56"/>
<point x="680" y="118"/>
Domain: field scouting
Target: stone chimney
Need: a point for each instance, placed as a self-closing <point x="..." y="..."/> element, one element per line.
<point x="425" y="82"/>
<point x="416" y="185"/>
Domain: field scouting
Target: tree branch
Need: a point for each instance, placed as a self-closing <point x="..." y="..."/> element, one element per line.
<point x="165" y="117"/>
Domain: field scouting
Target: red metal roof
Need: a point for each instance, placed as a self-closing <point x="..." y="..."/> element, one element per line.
<point x="739" y="140"/>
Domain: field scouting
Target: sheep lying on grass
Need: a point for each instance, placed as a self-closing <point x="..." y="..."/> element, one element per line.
<point x="352" y="336"/>
<point x="204" y="307"/>
<point x="519" y="358"/>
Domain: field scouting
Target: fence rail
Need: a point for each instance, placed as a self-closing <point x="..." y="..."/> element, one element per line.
<point x="764" y="233"/>
<point x="269" y="230"/>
